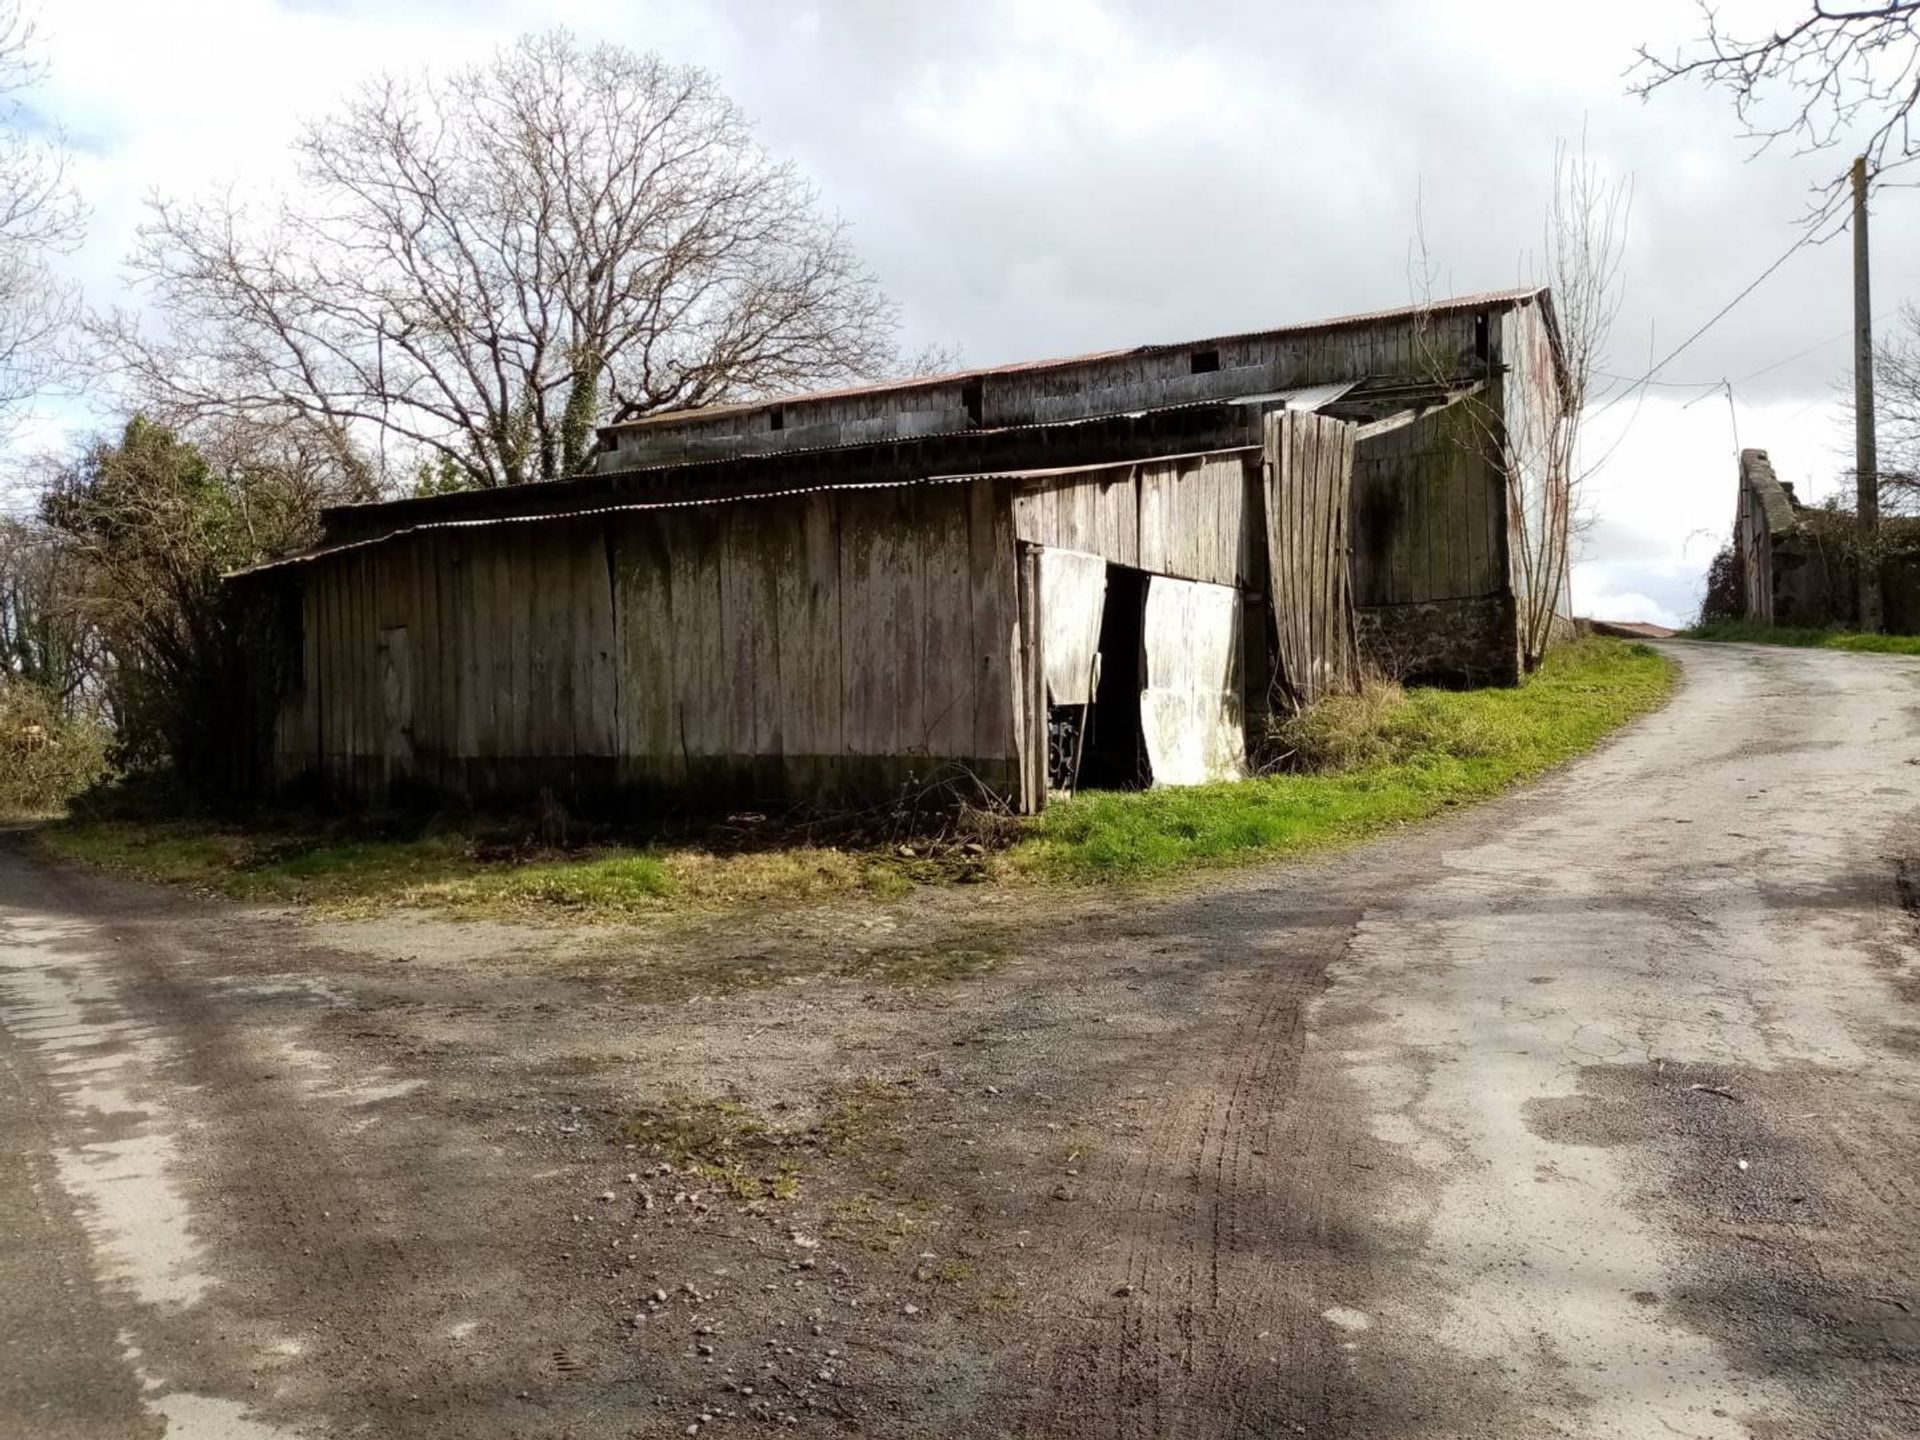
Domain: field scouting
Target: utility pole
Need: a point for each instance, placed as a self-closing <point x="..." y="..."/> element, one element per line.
<point x="1866" y="459"/>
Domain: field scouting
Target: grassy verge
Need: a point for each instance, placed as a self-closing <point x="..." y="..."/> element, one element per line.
<point x="449" y="872"/>
<point x="1390" y="760"/>
<point x="1752" y="632"/>
<point x="1376" y="760"/>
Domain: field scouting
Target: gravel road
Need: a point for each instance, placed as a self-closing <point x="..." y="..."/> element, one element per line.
<point x="1590" y="1112"/>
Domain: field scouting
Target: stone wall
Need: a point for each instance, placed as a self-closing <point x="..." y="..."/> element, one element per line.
<point x="1443" y="642"/>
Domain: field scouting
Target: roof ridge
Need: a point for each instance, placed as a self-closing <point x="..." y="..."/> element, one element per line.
<point x="1514" y="296"/>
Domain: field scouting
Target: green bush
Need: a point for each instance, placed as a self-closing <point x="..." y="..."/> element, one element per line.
<point x="46" y="757"/>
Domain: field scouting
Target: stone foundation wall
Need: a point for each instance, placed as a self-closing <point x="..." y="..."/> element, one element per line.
<point x="1474" y="641"/>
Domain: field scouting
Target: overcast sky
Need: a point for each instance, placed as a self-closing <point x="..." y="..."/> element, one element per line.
<point x="1049" y="177"/>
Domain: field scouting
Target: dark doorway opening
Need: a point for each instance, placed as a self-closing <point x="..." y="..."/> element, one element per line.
<point x="1115" y="755"/>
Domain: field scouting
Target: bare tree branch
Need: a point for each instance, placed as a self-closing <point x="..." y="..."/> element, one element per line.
<point x="1538" y="446"/>
<point x="486" y="264"/>
<point x="40" y="218"/>
<point x="1842" y="74"/>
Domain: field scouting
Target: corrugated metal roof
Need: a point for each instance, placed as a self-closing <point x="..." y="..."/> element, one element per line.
<point x="1452" y="305"/>
<point x="1055" y="472"/>
<point x="1301" y="397"/>
<point x="321" y="552"/>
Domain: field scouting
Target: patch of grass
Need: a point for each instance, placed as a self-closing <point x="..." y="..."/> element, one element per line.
<point x="449" y="872"/>
<point x="1406" y="759"/>
<point x="862" y="1120"/>
<point x="721" y="1142"/>
<point x="267" y="867"/>
<point x="735" y="1150"/>
<point x="1376" y="759"/>
<point x="1752" y="632"/>
<point x="915" y="966"/>
<point x="608" y="884"/>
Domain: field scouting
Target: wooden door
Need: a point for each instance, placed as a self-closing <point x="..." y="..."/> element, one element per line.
<point x="1308" y="478"/>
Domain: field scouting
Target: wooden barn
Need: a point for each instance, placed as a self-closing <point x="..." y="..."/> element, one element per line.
<point x="1102" y="570"/>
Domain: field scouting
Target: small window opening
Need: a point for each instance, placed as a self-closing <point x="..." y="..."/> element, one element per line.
<point x="973" y="400"/>
<point x="776" y="419"/>
<point x="1480" y="337"/>
<point x="1204" y="362"/>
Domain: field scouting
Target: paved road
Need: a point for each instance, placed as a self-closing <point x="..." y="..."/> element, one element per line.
<point x="1589" y="1113"/>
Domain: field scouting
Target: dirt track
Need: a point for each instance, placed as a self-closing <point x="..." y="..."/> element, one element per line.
<point x="1590" y="1113"/>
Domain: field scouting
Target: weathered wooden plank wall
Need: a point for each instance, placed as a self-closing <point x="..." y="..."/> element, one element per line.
<point x="1192" y="517"/>
<point x="1528" y="399"/>
<point x="1429" y="512"/>
<point x="1410" y="345"/>
<point x="1309" y="467"/>
<point x="814" y="645"/>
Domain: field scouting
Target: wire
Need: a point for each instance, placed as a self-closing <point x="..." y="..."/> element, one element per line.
<point x="1806" y="237"/>
<point x="1740" y="379"/>
<point x="1668" y="384"/>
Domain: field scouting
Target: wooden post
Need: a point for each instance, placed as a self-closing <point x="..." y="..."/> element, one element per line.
<point x="1866" y="460"/>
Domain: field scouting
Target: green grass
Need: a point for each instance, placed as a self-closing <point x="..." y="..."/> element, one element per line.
<point x="1380" y="759"/>
<point x="1435" y="749"/>
<point x="1753" y="632"/>
<point x="445" y="872"/>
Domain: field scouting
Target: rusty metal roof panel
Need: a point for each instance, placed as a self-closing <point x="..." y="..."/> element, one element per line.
<point x="1490" y="299"/>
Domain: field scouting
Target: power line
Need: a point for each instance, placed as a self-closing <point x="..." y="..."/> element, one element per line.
<point x="1738" y="379"/>
<point x="1806" y="237"/>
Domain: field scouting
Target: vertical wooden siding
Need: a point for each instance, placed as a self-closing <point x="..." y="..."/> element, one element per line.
<point x="1190" y="518"/>
<point x="814" y="645"/>
<point x="1410" y="345"/>
<point x="1429" y="513"/>
<point x="1309" y="465"/>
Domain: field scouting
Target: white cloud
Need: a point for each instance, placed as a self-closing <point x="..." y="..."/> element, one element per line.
<point x="1630" y="606"/>
<point x="1031" y="177"/>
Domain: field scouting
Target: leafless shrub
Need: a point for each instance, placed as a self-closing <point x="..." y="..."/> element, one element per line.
<point x="47" y="755"/>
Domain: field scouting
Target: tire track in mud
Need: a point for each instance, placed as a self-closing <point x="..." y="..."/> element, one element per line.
<point x="1173" y="1340"/>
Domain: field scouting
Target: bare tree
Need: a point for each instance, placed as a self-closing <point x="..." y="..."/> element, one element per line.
<point x="482" y="266"/>
<point x="1537" y="437"/>
<point x="1838" y="69"/>
<point x="1582" y="259"/>
<point x="40" y="218"/>
<point x="1896" y="386"/>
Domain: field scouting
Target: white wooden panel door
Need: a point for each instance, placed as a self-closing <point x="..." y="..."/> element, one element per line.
<point x="1192" y="712"/>
<point x="1073" y="590"/>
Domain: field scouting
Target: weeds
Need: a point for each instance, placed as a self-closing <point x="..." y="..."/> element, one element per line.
<point x="1358" y="763"/>
<point x="734" y="1150"/>
<point x="1386" y="761"/>
<point x="46" y="755"/>
<point x="721" y="1142"/>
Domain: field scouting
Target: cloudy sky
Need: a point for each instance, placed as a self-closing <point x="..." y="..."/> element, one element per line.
<point x="1032" y="177"/>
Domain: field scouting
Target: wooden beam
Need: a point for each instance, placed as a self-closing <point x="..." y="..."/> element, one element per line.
<point x="1400" y="419"/>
